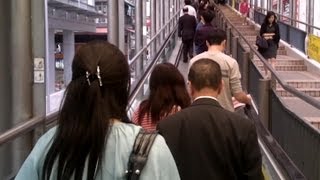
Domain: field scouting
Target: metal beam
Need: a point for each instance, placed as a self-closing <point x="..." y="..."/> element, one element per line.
<point x="22" y="75"/>
<point x="138" y="37"/>
<point x="5" y="88"/>
<point x="113" y="26"/>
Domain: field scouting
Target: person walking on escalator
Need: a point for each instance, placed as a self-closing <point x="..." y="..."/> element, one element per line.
<point x="167" y="95"/>
<point x="207" y="141"/>
<point x="186" y="30"/>
<point x="94" y="136"/>
<point x="270" y="31"/>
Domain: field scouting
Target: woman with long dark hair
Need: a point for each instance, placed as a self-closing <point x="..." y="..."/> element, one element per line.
<point x="270" y="31"/>
<point x="94" y="137"/>
<point x="168" y="94"/>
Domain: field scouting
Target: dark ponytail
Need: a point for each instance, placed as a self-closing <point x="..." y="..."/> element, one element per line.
<point x="88" y="110"/>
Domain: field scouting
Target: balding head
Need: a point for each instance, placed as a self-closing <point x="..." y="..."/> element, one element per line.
<point x="205" y="73"/>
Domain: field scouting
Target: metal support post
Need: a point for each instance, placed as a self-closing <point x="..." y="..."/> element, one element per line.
<point x="245" y="70"/>
<point x="6" y="87"/>
<point x="234" y="47"/>
<point x="113" y="27"/>
<point x="162" y="20"/>
<point x="121" y="25"/>
<point x="158" y="23"/>
<point x="116" y="23"/>
<point x="138" y="37"/>
<point x="50" y="65"/>
<point x="264" y="103"/>
<point x="167" y="10"/>
<point x="228" y="45"/>
<point x="153" y="27"/>
<point x="40" y="50"/>
<point x="221" y="22"/>
<point x="68" y="53"/>
<point x="144" y="28"/>
<point x="22" y="75"/>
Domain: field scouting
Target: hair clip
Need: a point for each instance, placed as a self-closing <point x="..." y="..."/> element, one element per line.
<point x="98" y="76"/>
<point x="87" y="76"/>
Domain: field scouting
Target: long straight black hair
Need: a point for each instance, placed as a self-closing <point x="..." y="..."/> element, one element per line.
<point x="87" y="111"/>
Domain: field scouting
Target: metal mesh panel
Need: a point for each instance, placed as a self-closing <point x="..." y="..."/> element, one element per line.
<point x="254" y="76"/>
<point x="298" y="139"/>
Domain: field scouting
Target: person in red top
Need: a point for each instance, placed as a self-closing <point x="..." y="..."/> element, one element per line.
<point x="167" y="95"/>
<point x="244" y="10"/>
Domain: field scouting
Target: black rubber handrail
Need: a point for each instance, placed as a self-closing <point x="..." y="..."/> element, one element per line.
<point x="292" y="171"/>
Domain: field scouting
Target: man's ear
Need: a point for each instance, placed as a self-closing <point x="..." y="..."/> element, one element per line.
<point x="224" y="43"/>
<point x="190" y="89"/>
<point x="207" y="43"/>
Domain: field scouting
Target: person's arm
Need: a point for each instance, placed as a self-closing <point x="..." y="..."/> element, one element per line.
<point x="195" y="24"/>
<point x="235" y="84"/>
<point x="32" y="166"/>
<point x="276" y="36"/>
<point x="262" y="29"/>
<point x="243" y="97"/>
<point x="28" y="170"/>
<point x="197" y="40"/>
<point x="180" y="27"/>
<point x="160" y="164"/>
<point x="251" y="155"/>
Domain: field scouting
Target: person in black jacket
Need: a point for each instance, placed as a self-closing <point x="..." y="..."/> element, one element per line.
<point x="270" y="31"/>
<point x="203" y="31"/>
<point x="186" y="30"/>
<point x="207" y="141"/>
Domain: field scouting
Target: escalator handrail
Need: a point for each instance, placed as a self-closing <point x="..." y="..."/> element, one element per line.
<point x="287" y="165"/>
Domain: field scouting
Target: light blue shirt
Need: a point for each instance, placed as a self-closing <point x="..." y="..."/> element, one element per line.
<point x="160" y="164"/>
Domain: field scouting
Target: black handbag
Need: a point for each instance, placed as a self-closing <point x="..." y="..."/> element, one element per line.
<point x="262" y="42"/>
<point x="139" y="155"/>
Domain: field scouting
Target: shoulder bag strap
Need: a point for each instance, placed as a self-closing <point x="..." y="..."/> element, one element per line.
<point x="139" y="155"/>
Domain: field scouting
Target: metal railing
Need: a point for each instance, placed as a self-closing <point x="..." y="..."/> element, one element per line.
<point x="286" y="127"/>
<point x="140" y="56"/>
<point x="136" y="90"/>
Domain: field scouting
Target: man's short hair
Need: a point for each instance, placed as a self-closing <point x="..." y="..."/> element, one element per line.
<point x="207" y="15"/>
<point x="187" y="2"/>
<point x="216" y="36"/>
<point x="205" y="73"/>
<point x="185" y="9"/>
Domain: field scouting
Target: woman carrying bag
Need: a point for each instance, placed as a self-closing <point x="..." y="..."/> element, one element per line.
<point x="270" y="31"/>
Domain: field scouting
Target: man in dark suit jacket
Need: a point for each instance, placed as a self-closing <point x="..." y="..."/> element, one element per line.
<point x="207" y="141"/>
<point x="186" y="30"/>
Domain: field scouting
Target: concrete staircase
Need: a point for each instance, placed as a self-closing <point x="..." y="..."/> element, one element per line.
<point x="292" y="70"/>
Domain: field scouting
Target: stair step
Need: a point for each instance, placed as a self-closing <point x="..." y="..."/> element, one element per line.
<point x="287" y="68"/>
<point x="310" y="84"/>
<point x="315" y="121"/>
<point x="281" y="52"/>
<point x="281" y="62"/>
<point x="247" y="33"/>
<point x="304" y="110"/>
<point x="309" y="91"/>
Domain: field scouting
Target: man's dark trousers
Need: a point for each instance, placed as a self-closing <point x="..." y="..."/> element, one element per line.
<point x="187" y="49"/>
